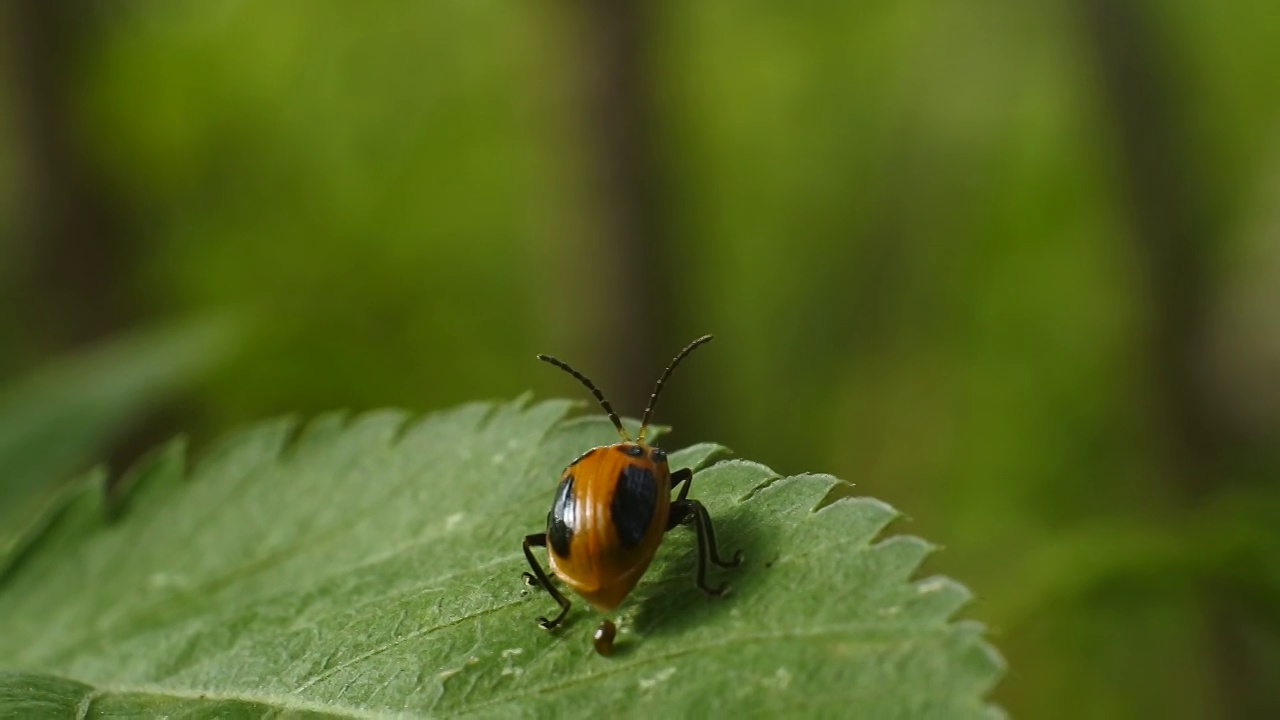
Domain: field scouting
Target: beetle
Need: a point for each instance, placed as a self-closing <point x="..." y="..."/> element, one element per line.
<point x="612" y="507"/>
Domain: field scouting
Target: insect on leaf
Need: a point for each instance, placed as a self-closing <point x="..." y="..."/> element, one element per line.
<point x="371" y="566"/>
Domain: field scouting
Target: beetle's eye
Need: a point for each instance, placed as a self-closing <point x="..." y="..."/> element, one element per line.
<point x="633" y="450"/>
<point x="659" y="455"/>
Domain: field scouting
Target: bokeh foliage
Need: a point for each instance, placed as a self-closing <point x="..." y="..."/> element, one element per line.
<point x="908" y="223"/>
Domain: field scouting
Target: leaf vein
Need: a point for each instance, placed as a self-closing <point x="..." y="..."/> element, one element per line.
<point x="383" y="647"/>
<point x="785" y="635"/>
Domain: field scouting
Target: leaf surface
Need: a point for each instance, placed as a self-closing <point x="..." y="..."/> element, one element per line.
<point x="371" y="566"/>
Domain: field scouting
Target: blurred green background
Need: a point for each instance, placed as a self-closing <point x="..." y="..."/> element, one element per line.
<point x="1012" y="267"/>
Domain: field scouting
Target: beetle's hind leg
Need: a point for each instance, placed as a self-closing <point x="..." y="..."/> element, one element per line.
<point x="683" y="510"/>
<point x="686" y="511"/>
<point x="539" y="579"/>
<point x="683" y="476"/>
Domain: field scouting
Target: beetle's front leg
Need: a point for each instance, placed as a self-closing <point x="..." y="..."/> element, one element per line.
<point x="539" y="578"/>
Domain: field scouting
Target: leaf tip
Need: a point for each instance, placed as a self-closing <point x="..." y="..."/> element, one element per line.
<point x="167" y="460"/>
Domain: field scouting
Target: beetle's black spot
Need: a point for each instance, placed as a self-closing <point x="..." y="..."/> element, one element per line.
<point x="633" y="503"/>
<point x="563" y="519"/>
<point x="632" y="450"/>
<point x="659" y="455"/>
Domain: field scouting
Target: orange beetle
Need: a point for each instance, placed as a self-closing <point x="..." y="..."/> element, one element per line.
<point x="611" y="509"/>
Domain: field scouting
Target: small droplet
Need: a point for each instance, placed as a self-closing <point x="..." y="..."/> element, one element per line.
<point x="604" y="637"/>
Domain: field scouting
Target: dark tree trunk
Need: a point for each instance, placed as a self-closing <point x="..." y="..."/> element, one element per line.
<point x="624" y="269"/>
<point x="1173" y="228"/>
<point x="71" y="255"/>
<point x="73" y="259"/>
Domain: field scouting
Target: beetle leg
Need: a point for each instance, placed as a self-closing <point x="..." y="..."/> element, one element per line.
<point x="706" y="536"/>
<point x="683" y="476"/>
<point x="683" y="511"/>
<point x="540" y="578"/>
<point x="703" y="520"/>
<point x="679" y="514"/>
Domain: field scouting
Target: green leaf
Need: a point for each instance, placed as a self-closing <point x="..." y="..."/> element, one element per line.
<point x="372" y="566"/>
<point x="58" y="421"/>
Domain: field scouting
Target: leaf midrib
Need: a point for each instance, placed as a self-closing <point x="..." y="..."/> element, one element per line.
<point x="85" y="707"/>
<point x="898" y="637"/>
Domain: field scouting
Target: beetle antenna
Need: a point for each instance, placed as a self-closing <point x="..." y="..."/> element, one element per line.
<point x="653" y="399"/>
<point x="613" y="416"/>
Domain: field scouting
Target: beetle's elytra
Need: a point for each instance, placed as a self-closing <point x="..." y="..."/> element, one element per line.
<point x="609" y="514"/>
